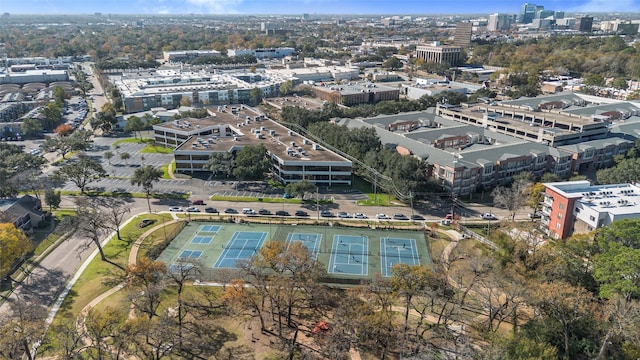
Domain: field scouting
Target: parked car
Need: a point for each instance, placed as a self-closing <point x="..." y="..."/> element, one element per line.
<point x="176" y="209"/>
<point x="417" y="217"/>
<point x="399" y="216"/>
<point x="282" y="213"/>
<point x="449" y="216"/>
<point x="535" y="215"/>
<point x="248" y="211"/>
<point x="360" y="216"/>
<point x="145" y="222"/>
<point x="344" y="215"/>
<point x="264" y="212"/>
<point x="193" y="209"/>
<point x="211" y="210"/>
<point x="230" y="211"/>
<point x="301" y="213"/>
<point x="382" y="217"/>
<point x="488" y="216"/>
<point x="326" y="213"/>
<point x="198" y="202"/>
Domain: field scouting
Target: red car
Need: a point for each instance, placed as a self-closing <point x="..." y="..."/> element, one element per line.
<point x="198" y="202"/>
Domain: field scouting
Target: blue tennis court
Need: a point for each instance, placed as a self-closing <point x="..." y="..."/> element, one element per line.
<point x="310" y="240"/>
<point x="394" y="251"/>
<point x="209" y="228"/>
<point x="202" y="240"/>
<point x="349" y="255"/>
<point x="190" y="254"/>
<point x="242" y="246"/>
<point x="176" y="268"/>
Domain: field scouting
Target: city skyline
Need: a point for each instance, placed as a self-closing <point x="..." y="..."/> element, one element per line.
<point x="290" y="7"/>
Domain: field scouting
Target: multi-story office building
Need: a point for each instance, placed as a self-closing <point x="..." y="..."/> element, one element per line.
<point x="183" y="55"/>
<point x="441" y="54"/>
<point x="527" y="13"/>
<point x="142" y="91"/>
<point x="355" y="94"/>
<point x="262" y="53"/>
<point x="462" y="36"/>
<point x="576" y="207"/>
<point x="584" y="24"/>
<point x="499" y="22"/>
<point x="293" y="158"/>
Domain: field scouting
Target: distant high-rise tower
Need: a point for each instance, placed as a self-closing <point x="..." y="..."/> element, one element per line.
<point x="499" y="22"/>
<point x="527" y="13"/>
<point x="462" y="36"/>
<point x="584" y="23"/>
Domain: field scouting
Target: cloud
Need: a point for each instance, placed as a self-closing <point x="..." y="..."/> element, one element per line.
<point x="606" y="6"/>
<point x="217" y="6"/>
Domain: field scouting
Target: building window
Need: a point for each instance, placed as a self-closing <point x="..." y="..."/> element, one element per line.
<point x="561" y="206"/>
<point x="592" y="218"/>
<point x="577" y="210"/>
<point x="558" y="226"/>
<point x="559" y="216"/>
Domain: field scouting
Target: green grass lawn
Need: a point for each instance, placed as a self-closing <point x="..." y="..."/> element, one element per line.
<point x="155" y="149"/>
<point x="165" y="170"/>
<point x="125" y="194"/>
<point x="100" y="276"/>
<point x="133" y="140"/>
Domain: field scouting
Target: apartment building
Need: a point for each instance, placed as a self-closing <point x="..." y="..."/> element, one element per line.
<point x="263" y="53"/>
<point x="576" y="207"/>
<point x="293" y="158"/>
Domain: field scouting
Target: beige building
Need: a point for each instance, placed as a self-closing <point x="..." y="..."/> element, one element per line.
<point x="441" y="54"/>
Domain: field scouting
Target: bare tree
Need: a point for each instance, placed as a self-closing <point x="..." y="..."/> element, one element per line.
<point x="21" y="332"/>
<point x="512" y="198"/>
<point x="115" y="211"/>
<point x="91" y="224"/>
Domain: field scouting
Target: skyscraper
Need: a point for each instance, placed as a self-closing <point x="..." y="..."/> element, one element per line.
<point x="584" y="23"/>
<point x="499" y="22"/>
<point x="527" y="13"/>
<point x="462" y="35"/>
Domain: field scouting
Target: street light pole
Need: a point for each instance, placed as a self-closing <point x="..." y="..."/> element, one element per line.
<point x="317" y="203"/>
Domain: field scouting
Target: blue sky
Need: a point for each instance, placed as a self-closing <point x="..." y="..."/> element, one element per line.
<point x="398" y="7"/>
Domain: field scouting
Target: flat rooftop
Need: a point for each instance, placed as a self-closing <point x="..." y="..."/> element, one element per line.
<point x="277" y="139"/>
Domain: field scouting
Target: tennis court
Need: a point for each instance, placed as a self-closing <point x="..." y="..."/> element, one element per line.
<point x="242" y="246"/>
<point x="349" y="255"/>
<point x="202" y="239"/>
<point x="310" y="240"/>
<point x="355" y="253"/>
<point x="397" y="250"/>
<point x="190" y="254"/>
<point x="209" y="228"/>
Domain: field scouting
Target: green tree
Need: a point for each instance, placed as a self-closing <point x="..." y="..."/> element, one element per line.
<point x="145" y="177"/>
<point x="392" y="63"/>
<point x="255" y="96"/>
<point x="300" y="188"/>
<point x="31" y="127"/>
<point x="125" y="156"/>
<point x="251" y="163"/>
<point x="594" y="80"/>
<point x="108" y="155"/>
<point x="52" y="114"/>
<point x="134" y="124"/>
<point x="535" y="196"/>
<point x="286" y="88"/>
<point x="81" y="172"/>
<point x="618" y="263"/>
<point x="220" y="164"/>
<point x="620" y="83"/>
<point x="52" y="198"/>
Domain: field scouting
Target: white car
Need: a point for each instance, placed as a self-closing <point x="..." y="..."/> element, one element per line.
<point x="193" y="209"/>
<point x="176" y="209"/>
<point x="382" y="217"/>
<point x="360" y="216"/>
<point x="488" y="216"/>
